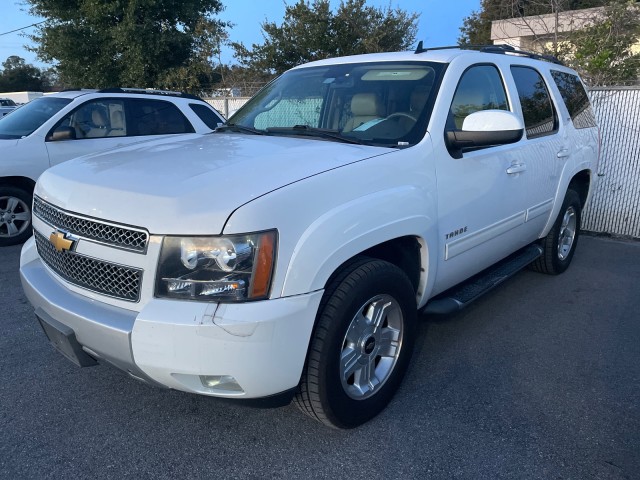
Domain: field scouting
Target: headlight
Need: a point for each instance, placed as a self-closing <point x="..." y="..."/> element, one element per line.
<point x="229" y="268"/>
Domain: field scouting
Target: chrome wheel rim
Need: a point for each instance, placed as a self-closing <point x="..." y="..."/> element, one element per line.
<point x="567" y="233"/>
<point x="371" y="347"/>
<point x="15" y="217"/>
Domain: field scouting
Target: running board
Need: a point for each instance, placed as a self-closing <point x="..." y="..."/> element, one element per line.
<point x="461" y="295"/>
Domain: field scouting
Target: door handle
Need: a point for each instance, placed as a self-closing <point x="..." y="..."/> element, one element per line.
<point x="516" y="168"/>
<point x="563" y="153"/>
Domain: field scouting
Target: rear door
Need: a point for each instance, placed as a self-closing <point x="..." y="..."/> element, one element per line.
<point x="544" y="149"/>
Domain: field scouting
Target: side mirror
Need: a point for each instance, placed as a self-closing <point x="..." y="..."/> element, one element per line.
<point x="485" y="128"/>
<point x="62" y="133"/>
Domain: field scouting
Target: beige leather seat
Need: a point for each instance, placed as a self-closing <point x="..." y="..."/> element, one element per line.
<point x="100" y="124"/>
<point x="364" y="108"/>
<point x="117" y="124"/>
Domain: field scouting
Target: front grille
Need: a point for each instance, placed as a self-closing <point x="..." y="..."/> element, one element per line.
<point x="97" y="275"/>
<point x="128" y="238"/>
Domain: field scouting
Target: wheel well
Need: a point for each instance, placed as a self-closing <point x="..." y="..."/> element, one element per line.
<point x="21" y="182"/>
<point x="580" y="183"/>
<point x="403" y="252"/>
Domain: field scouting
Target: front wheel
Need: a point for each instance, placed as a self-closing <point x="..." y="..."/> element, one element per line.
<point x="15" y="215"/>
<point x="560" y="243"/>
<point x="361" y="345"/>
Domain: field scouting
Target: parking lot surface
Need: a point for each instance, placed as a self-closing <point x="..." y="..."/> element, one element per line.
<point x="538" y="379"/>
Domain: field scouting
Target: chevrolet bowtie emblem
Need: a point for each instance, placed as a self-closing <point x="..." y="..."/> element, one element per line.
<point x="59" y="240"/>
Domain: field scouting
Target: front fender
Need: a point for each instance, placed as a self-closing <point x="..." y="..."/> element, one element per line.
<point x="326" y="219"/>
<point x="351" y="228"/>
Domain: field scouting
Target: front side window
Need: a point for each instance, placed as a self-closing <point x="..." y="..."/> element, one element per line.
<point x="575" y="98"/>
<point x="95" y="119"/>
<point x="28" y="118"/>
<point x="480" y="88"/>
<point x="382" y="103"/>
<point x="538" y="111"/>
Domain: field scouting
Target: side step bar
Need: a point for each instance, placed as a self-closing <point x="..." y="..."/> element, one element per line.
<point x="459" y="296"/>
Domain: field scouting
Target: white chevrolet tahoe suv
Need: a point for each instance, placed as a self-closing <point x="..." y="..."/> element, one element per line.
<point x="288" y="253"/>
<point x="58" y="127"/>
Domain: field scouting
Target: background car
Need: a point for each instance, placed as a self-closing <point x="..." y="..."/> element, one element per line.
<point x="6" y="106"/>
<point x="55" y="128"/>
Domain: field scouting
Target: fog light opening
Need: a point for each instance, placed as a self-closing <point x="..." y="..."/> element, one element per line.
<point x="224" y="383"/>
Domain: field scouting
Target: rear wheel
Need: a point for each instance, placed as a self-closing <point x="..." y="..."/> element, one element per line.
<point x="361" y="345"/>
<point x="15" y="215"/>
<point x="560" y="243"/>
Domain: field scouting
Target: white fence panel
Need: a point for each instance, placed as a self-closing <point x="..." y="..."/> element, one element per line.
<point x="615" y="205"/>
<point x="227" y="105"/>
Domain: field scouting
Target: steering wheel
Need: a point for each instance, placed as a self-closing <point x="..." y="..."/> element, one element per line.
<point x="400" y="115"/>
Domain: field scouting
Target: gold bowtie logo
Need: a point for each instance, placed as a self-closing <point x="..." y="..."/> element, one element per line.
<point x="58" y="239"/>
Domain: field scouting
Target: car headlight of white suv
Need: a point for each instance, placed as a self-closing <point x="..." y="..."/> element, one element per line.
<point x="228" y="268"/>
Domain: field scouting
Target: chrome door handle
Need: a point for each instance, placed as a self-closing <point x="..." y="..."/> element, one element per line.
<point x="563" y="153"/>
<point x="516" y="168"/>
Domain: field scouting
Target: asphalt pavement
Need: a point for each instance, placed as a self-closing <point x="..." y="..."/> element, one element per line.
<point x="538" y="379"/>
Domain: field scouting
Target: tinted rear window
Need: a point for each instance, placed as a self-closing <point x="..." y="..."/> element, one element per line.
<point x="575" y="98"/>
<point x="156" y="117"/>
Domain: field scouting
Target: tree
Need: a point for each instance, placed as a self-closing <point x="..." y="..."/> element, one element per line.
<point x="161" y="44"/>
<point x="17" y="75"/>
<point x="312" y="31"/>
<point x="603" y="52"/>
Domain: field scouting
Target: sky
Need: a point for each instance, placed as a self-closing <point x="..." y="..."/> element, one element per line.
<point x="439" y="22"/>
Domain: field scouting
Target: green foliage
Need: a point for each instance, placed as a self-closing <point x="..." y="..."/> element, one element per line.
<point x="18" y="76"/>
<point x="142" y="43"/>
<point x="603" y="53"/>
<point x="312" y="31"/>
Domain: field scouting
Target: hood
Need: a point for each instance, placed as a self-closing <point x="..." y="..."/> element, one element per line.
<point x="192" y="184"/>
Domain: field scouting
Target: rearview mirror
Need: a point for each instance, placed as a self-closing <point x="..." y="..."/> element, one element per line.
<point x="482" y="129"/>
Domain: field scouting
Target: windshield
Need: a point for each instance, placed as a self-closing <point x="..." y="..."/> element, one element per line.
<point x="25" y="120"/>
<point x="6" y="102"/>
<point x="384" y="104"/>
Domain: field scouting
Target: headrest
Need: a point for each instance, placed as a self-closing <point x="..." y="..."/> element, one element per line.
<point x="98" y="117"/>
<point x="365" y="104"/>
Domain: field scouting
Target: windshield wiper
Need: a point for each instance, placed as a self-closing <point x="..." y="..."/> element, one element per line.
<point x="235" y="127"/>
<point x="308" y="131"/>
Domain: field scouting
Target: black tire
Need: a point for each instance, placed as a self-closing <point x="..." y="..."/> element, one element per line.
<point x="15" y="215"/>
<point x="555" y="258"/>
<point x="327" y="392"/>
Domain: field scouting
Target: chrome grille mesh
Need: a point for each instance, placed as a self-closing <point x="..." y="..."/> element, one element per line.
<point x="113" y="235"/>
<point x="97" y="275"/>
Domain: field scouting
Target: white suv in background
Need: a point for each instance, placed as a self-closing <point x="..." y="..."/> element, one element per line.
<point x="288" y="253"/>
<point x="58" y="127"/>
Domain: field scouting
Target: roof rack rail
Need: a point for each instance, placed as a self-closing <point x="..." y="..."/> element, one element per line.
<point x="149" y="91"/>
<point x="500" y="49"/>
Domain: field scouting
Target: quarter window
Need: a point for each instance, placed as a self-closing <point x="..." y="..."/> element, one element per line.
<point x="206" y="114"/>
<point x="480" y="88"/>
<point x="538" y="111"/>
<point x="575" y="98"/>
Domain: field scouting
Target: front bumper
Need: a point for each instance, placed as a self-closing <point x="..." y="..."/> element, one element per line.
<point x="262" y="345"/>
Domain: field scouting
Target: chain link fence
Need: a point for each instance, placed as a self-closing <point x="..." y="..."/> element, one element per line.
<point x="615" y="206"/>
